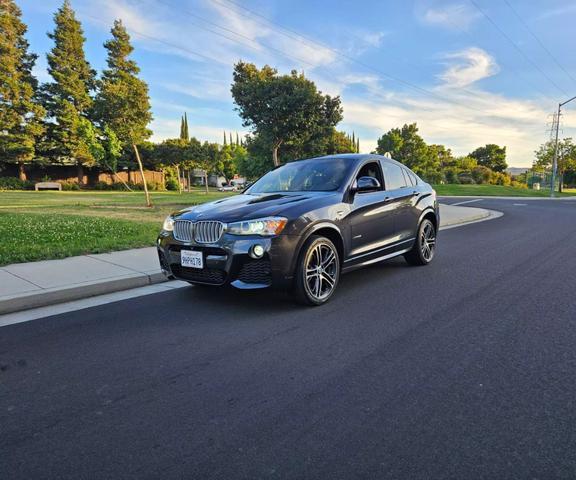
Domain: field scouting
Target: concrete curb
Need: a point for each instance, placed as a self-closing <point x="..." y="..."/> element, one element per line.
<point x="52" y="296"/>
<point x="487" y="215"/>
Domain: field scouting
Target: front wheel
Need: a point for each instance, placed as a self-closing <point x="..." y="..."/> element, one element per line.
<point x="424" y="248"/>
<point x="317" y="272"/>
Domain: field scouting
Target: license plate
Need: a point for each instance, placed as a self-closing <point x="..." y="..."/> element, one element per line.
<point x="191" y="259"/>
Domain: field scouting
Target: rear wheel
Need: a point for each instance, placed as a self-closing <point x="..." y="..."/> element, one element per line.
<point x="317" y="272"/>
<point x="424" y="248"/>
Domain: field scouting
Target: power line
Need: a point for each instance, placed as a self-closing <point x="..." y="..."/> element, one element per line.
<point x="516" y="47"/>
<point x="315" y="43"/>
<point x="312" y="43"/>
<point x="205" y="20"/>
<point x="155" y="39"/>
<point x="521" y="20"/>
<point x="512" y="67"/>
<point x="193" y="52"/>
<point x="333" y="75"/>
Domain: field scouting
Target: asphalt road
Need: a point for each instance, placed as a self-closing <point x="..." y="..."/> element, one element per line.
<point x="463" y="369"/>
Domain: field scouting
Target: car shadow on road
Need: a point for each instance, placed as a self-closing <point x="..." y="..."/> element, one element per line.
<point x="228" y="300"/>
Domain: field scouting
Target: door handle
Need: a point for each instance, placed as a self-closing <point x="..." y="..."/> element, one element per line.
<point x="415" y="193"/>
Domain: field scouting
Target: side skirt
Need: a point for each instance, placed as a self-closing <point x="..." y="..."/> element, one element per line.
<point x="376" y="260"/>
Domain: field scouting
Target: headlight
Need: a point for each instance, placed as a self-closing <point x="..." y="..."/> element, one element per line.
<point x="260" y="226"/>
<point x="168" y="225"/>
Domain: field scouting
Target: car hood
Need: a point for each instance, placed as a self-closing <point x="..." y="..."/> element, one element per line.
<point x="249" y="206"/>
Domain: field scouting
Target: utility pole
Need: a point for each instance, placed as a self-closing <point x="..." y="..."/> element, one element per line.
<point x="556" y="126"/>
<point x="555" y="159"/>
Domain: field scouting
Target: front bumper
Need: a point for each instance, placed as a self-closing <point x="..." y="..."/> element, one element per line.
<point x="229" y="262"/>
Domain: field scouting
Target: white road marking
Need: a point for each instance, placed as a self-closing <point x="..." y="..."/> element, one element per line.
<point x="467" y="201"/>
<point x="42" y="312"/>
<point x="519" y="204"/>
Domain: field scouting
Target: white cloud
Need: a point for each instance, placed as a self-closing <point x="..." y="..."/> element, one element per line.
<point x="370" y="110"/>
<point x="518" y="124"/>
<point x="457" y="16"/>
<point x="555" y="12"/>
<point x="204" y="89"/>
<point x="469" y="66"/>
<point x="374" y="39"/>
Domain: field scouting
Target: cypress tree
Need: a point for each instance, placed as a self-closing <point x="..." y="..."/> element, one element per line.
<point x="353" y="144"/>
<point x="224" y="137"/>
<point x="237" y="140"/>
<point x="231" y="142"/>
<point x="122" y="103"/>
<point x="20" y="112"/>
<point x="186" y="134"/>
<point x="358" y="145"/>
<point x="184" y="128"/>
<point x="68" y="99"/>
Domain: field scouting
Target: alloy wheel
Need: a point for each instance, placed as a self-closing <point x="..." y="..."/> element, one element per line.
<point x="321" y="271"/>
<point x="428" y="241"/>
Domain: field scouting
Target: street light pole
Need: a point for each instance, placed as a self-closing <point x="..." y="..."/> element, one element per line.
<point x="555" y="159"/>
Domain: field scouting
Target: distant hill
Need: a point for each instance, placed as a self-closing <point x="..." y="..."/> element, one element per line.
<point x="514" y="171"/>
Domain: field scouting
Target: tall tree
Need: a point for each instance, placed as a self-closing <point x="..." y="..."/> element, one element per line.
<point x="184" y="128"/>
<point x="186" y="133"/>
<point x="283" y="108"/>
<point x="224" y="138"/>
<point x="338" y="142"/>
<point x="67" y="98"/>
<point x="358" y="145"/>
<point x="408" y="147"/>
<point x="237" y="140"/>
<point x="20" y="112"/>
<point x="566" y="160"/>
<point x="123" y="103"/>
<point x="491" y="156"/>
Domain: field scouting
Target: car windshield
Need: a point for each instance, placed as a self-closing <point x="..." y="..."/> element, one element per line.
<point x="322" y="175"/>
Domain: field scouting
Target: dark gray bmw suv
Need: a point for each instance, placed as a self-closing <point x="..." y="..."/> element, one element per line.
<point x="303" y="224"/>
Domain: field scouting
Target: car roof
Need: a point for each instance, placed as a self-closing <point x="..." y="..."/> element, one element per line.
<point x="357" y="157"/>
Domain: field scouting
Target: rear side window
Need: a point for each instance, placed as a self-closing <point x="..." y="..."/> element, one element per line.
<point x="407" y="177"/>
<point x="393" y="176"/>
<point x="411" y="176"/>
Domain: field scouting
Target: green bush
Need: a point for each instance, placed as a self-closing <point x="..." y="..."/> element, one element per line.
<point x="433" y="177"/>
<point x="110" y="186"/>
<point x="465" y="178"/>
<point x="70" y="186"/>
<point x="119" y="186"/>
<point x="481" y="174"/>
<point x="500" y="179"/>
<point x="14" y="183"/>
<point x="518" y="184"/>
<point x="172" y="184"/>
<point x="451" y="175"/>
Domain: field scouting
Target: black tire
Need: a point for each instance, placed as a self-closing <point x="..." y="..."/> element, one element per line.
<point x="424" y="248"/>
<point x="317" y="271"/>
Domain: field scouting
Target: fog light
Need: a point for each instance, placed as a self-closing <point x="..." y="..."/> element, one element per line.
<point x="257" y="251"/>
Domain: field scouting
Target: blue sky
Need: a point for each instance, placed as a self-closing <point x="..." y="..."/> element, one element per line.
<point x="468" y="72"/>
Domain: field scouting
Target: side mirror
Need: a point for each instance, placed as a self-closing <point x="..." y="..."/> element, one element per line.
<point x="366" y="184"/>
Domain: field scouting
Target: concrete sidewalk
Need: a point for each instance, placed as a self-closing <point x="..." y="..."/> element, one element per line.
<point x="36" y="284"/>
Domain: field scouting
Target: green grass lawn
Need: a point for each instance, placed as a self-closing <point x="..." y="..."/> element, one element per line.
<point x="494" y="190"/>
<point x="46" y="225"/>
